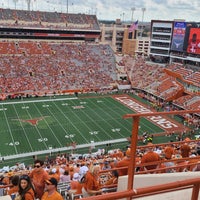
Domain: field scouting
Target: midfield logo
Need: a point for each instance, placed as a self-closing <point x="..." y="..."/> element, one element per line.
<point x="32" y="122"/>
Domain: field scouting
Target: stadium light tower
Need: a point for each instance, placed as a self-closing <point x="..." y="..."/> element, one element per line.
<point x="15" y="2"/>
<point x="143" y="10"/>
<point x="132" y="10"/>
<point x="67" y="6"/>
<point x="28" y="4"/>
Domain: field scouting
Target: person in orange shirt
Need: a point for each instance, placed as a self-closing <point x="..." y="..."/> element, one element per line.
<point x="91" y="186"/>
<point x="124" y="163"/>
<point x="149" y="157"/>
<point x="51" y="190"/>
<point x="113" y="179"/>
<point x="38" y="176"/>
<point x="26" y="189"/>
<point x="185" y="150"/>
<point x="169" y="151"/>
<point x="75" y="185"/>
<point x="14" y="188"/>
<point x="55" y="174"/>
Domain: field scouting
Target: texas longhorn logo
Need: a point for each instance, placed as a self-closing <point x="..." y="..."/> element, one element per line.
<point x="33" y="122"/>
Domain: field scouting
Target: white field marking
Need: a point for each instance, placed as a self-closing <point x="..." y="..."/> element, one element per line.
<point x="3" y="109"/>
<point x="69" y="136"/>
<point x="48" y="124"/>
<point x="13" y="143"/>
<point x="94" y="132"/>
<point x="64" y="104"/>
<point x="115" y="129"/>
<point x="25" y="107"/>
<point x="110" y="116"/>
<point x="32" y="101"/>
<point x="10" y="131"/>
<point x="67" y="118"/>
<point x="78" y="107"/>
<point x="23" y="127"/>
<point x="45" y="106"/>
<point x="83" y="102"/>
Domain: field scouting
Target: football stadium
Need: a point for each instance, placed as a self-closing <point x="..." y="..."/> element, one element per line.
<point x="113" y="106"/>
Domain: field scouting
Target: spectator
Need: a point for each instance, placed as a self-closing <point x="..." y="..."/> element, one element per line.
<point x="26" y="189"/>
<point x="75" y="185"/>
<point x="124" y="163"/>
<point x="113" y="179"/>
<point x="106" y="165"/>
<point x="65" y="177"/>
<point x="38" y="176"/>
<point x="51" y="190"/>
<point x="91" y="186"/>
<point x="55" y="173"/>
<point x="185" y="150"/>
<point x="14" y="188"/>
<point x="148" y="157"/>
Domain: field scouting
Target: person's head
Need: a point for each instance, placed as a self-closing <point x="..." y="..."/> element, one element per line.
<point x="194" y="37"/>
<point x="51" y="184"/>
<point x="76" y="177"/>
<point x="38" y="164"/>
<point x="115" y="173"/>
<point x="94" y="169"/>
<point x="15" y="180"/>
<point x="128" y="152"/>
<point x="25" y="182"/>
<point x="25" y="185"/>
<point x="66" y="172"/>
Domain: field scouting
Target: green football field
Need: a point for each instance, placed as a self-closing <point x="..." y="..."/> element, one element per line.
<point x="48" y="124"/>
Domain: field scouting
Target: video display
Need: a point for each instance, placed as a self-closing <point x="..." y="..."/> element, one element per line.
<point x="193" y="45"/>
<point x="178" y="36"/>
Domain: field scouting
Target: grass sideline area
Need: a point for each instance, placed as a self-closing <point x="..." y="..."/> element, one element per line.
<point x="53" y="124"/>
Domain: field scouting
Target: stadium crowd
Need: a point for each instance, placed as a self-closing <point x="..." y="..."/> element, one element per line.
<point x="74" y="177"/>
<point x="49" y="20"/>
<point x="37" y="68"/>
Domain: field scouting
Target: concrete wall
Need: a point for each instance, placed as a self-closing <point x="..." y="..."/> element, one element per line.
<point x="146" y="180"/>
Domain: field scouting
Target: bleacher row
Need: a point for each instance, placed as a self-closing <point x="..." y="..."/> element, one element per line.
<point x="153" y="79"/>
<point x="42" y="67"/>
<point x="23" y="18"/>
<point x="181" y="159"/>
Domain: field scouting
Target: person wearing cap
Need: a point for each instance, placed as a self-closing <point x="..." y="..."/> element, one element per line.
<point x="51" y="192"/>
<point x="38" y="176"/>
<point x="55" y="173"/>
<point x="75" y="185"/>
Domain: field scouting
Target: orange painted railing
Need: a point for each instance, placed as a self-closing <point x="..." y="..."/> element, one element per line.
<point x="130" y="193"/>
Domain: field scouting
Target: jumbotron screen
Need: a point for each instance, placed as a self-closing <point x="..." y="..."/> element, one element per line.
<point x="194" y="41"/>
<point x="178" y="36"/>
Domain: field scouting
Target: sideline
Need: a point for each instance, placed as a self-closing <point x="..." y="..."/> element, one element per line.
<point x="35" y="101"/>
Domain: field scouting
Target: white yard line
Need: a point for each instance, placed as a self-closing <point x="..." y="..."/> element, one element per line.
<point x="34" y="101"/>
<point x="65" y="116"/>
<point x="10" y="131"/>
<point x="23" y="129"/>
<point x="102" y="120"/>
<point x="48" y="124"/>
<point x="110" y="116"/>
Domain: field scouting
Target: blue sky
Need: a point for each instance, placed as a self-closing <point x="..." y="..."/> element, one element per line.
<point x="113" y="9"/>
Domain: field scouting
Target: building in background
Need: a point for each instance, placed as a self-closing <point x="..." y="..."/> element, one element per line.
<point x="122" y="40"/>
<point x="160" y="42"/>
